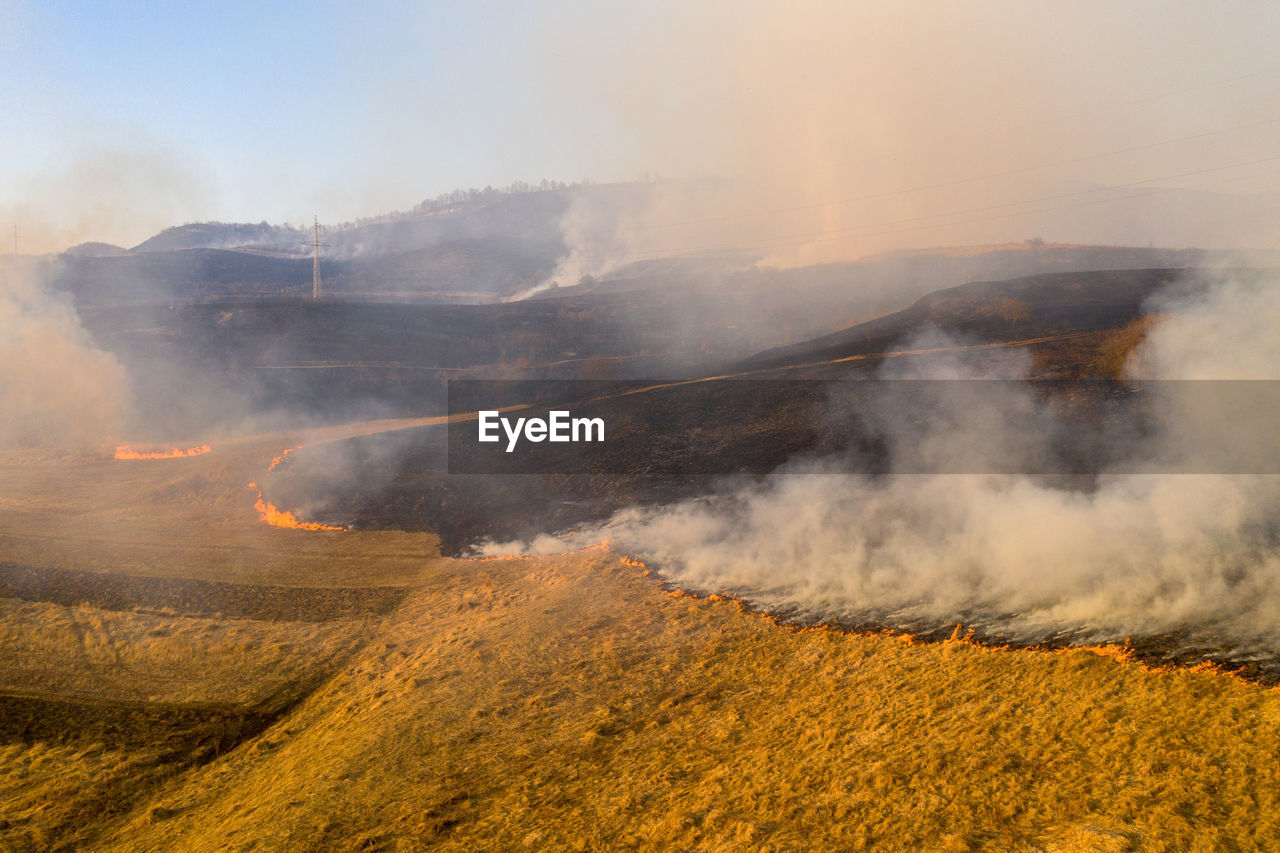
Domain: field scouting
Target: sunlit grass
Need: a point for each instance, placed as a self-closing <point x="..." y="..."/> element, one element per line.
<point x="86" y="652"/>
<point x="569" y="703"/>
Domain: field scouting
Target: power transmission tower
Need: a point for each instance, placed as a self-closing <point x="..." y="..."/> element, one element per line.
<point x="315" y="259"/>
<point x="15" y="238"/>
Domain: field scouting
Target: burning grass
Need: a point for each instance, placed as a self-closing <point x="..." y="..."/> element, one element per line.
<point x="1117" y="346"/>
<point x="276" y="460"/>
<point x="276" y="517"/>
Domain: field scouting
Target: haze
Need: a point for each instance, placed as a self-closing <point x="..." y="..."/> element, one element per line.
<point x="833" y="129"/>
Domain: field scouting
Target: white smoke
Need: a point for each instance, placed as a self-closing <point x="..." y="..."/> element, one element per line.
<point x="1137" y="554"/>
<point x="608" y="227"/>
<point x="57" y="389"/>
<point x="600" y="230"/>
<point x="1225" y="331"/>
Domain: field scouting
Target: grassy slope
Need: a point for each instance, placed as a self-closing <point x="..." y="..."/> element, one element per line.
<point x="568" y="703"/>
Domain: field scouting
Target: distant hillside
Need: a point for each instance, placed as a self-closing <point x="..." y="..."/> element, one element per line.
<point x="530" y="214"/>
<point x="908" y="270"/>
<point x="1051" y="304"/>
<point x="219" y="235"/>
<point x="673" y="443"/>
<point x="95" y="250"/>
<point x="480" y="268"/>
<point x="483" y="247"/>
<point x="523" y="216"/>
<point x="766" y="307"/>
<point x="476" y="269"/>
<point x="177" y="274"/>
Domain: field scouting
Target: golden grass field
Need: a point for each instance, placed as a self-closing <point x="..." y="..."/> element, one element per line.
<point x="560" y="703"/>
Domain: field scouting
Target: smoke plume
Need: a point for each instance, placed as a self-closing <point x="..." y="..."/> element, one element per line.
<point x="1136" y="554"/>
<point x="838" y="130"/>
<point x="59" y="390"/>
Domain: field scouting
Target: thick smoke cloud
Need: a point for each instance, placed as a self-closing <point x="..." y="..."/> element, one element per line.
<point x="57" y="388"/>
<point x="1225" y="331"/>
<point x="839" y="130"/>
<point x="1135" y="554"/>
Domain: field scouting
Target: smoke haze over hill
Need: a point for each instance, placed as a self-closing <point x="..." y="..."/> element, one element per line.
<point x="827" y="130"/>
<point x="1018" y="556"/>
<point x="843" y="130"/>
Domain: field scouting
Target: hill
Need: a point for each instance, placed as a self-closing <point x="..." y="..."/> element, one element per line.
<point x="221" y="235"/>
<point x="1036" y="306"/>
<point x="95" y="250"/>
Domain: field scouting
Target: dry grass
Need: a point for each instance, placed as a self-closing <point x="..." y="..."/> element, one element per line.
<point x="82" y="651"/>
<point x="1115" y="347"/>
<point x="1100" y="355"/>
<point x="191" y="518"/>
<point x="569" y="704"/>
<point x="47" y="792"/>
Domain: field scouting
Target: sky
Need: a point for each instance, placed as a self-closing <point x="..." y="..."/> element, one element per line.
<point x="123" y="118"/>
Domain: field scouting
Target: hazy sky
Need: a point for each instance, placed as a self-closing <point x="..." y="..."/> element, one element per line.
<point x="122" y="118"/>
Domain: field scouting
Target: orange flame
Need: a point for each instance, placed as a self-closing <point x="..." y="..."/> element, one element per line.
<point x="277" y="517"/>
<point x="276" y="461"/>
<point x="125" y="451"/>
